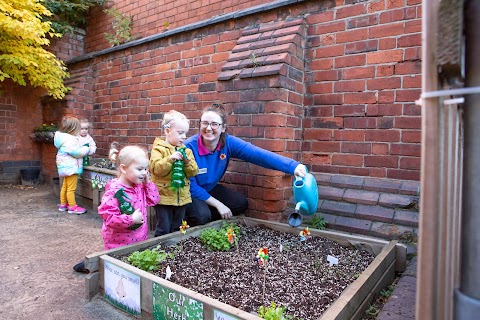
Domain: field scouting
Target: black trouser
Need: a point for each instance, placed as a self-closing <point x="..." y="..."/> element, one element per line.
<point x="169" y="218"/>
<point x="199" y="212"/>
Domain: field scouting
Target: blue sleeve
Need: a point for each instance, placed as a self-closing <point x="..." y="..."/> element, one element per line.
<point x="196" y="191"/>
<point x="248" y="152"/>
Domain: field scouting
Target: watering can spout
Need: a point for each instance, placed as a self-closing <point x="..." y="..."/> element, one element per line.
<point x="295" y="219"/>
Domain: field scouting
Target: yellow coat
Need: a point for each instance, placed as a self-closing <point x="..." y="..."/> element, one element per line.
<point x="161" y="169"/>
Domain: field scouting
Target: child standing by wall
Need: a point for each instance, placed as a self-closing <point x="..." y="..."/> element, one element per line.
<point x="69" y="163"/>
<point x="85" y="138"/>
<point x="120" y="229"/>
<point x="171" y="209"/>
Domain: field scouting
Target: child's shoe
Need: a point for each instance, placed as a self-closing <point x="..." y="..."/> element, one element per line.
<point x="62" y="207"/>
<point x="76" y="210"/>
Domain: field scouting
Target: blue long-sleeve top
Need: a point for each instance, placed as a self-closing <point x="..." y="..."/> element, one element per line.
<point x="212" y="165"/>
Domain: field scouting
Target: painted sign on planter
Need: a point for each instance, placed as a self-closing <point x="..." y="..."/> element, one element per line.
<point x="169" y="304"/>
<point x="122" y="288"/>
<point x="218" y="315"/>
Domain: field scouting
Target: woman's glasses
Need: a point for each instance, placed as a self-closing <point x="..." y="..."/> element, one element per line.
<point x="213" y="125"/>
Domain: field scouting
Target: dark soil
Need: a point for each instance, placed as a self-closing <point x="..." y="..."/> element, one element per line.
<point x="298" y="278"/>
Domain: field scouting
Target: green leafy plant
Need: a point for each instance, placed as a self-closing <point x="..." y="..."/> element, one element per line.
<point x="215" y="239"/>
<point x="45" y="127"/>
<point x="68" y="14"/>
<point x="122" y="27"/>
<point x="148" y="260"/>
<point x="273" y="312"/>
<point x="317" y="222"/>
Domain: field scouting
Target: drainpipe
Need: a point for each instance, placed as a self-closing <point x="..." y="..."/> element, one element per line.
<point x="467" y="297"/>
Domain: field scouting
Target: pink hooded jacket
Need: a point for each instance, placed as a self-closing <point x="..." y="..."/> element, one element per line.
<point x="115" y="229"/>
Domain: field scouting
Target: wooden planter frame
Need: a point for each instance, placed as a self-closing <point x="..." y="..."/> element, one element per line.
<point x="390" y="257"/>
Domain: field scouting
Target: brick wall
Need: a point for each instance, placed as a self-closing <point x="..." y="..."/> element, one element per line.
<point x="20" y="112"/>
<point x="150" y="18"/>
<point x="363" y="80"/>
<point x="341" y="100"/>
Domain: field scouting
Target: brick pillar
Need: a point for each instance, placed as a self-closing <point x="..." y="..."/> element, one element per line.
<point x="263" y="83"/>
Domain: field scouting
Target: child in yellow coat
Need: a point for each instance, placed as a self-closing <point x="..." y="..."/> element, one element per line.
<point x="167" y="159"/>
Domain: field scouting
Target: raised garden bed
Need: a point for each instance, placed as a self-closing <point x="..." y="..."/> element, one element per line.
<point x="355" y="289"/>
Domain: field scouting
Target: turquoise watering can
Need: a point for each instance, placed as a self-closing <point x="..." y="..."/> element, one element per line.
<point x="305" y="195"/>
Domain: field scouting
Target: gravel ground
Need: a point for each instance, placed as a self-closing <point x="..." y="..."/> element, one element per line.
<point x="39" y="246"/>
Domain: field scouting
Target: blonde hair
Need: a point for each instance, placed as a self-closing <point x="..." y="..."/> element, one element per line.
<point x="86" y="121"/>
<point x="126" y="155"/>
<point x="170" y="117"/>
<point x="70" y="125"/>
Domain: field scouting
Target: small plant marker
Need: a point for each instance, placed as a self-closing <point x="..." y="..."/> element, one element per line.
<point x="304" y="234"/>
<point x="262" y="258"/>
<point x="183" y="230"/>
<point x="232" y="237"/>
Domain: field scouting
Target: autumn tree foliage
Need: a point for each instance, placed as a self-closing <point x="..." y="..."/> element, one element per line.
<point x="24" y="34"/>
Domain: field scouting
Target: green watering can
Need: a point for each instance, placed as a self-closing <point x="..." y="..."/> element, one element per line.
<point x="305" y="195"/>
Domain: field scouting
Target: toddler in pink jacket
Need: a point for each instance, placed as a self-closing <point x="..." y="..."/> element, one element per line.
<point x="119" y="228"/>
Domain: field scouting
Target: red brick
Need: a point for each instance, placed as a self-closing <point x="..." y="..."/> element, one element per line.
<point x="320" y="17"/>
<point x="326" y="28"/>
<point x="376" y="6"/>
<point x="408" y="68"/>
<point x="329" y="75"/>
<point x="387" y="30"/>
<point x="353" y="147"/>
<point x="328" y="99"/>
<point x="413" y="26"/>
<point x="392" y="15"/>
<point x="320" y="87"/>
<point x="412" y="54"/>
<point x="350" y="11"/>
<point x="384" y="110"/>
<point x="327" y="40"/>
<point x="359" y="123"/>
<point x="321" y="64"/>
<point x="381" y="161"/>
<point x="363" y="21"/>
<point x="355" y="98"/>
<point x="325" y="146"/>
<point x="384" y="56"/>
<point x="385" y="71"/>
<point x="411" y="136"/>
<point x="358" y="73"/>
<point x="347" y="160"/>
<point x="394" y="4"/>
<point x="350" y="61"/>
<point x="351" y="35"/>
<point x="403" y="174"/>
<point x="279" y="133"/>
<point x="386" y="96"/>
<point x="383" y="83"/>
<point x="405" y="149"/>
<point x="412" y="82"/>
<point x="409" y="95"/>
<point x="387" y="43"/>
<point x="349" y="135"/>
<point x="411" y="40"/>
<point x="361" y="46"/>
<point x="331" y="51"/>
<point x="349" y="110"/>
<point x="349" y="86"/>
<point x="408" y="122"/>
<point x="410" y="163"/>
<point x="382" y="135"/>
<point x="317" y="134"/>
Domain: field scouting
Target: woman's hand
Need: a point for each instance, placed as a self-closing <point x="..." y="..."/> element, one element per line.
<point x="300" y="171"/>
<point x="137" y="217"/>
<point x="224" y="211"/>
